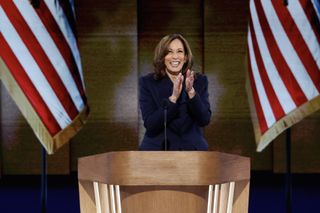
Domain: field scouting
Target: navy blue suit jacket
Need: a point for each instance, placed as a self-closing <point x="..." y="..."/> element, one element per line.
<point x="184" y="118"/>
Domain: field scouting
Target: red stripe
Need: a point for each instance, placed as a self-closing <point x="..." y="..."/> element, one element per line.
<point x="298" y="42"/>
<point x="28" y="88"/>
<point x="271" y="95"/>
<point x="280" y="63"/>
<point x="41" y="58"/>
<point x="312" y="17"/>
<point x="261" y="119"/>
<point x="56" y="34"/>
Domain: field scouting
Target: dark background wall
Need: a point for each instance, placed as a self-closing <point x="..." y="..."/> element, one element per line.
<point x="116" y="40"/>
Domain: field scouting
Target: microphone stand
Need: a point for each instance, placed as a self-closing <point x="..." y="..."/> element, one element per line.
<point x="44" y="181"/>
<point x="165" y="110"/>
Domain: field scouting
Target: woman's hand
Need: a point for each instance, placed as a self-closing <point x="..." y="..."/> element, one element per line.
<point x="177" y="88"/>
<point x="189" y="84"/>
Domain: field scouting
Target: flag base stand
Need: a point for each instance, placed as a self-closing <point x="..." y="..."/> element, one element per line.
<point x="288" y="183"/>
<point x="44" y="181"/>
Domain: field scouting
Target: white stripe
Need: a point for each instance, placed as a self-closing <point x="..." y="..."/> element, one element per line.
<point x="278" y="86"/>
<point x="288" y="52"/>
<point x="303" y="24"/>
<point x="266" y="108"/>
<point x="62" y="21"/>
<point x="33" y="71"/>
<point x="51" y="50"/>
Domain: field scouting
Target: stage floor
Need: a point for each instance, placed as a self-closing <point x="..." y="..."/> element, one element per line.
<point x="267" y="193"/>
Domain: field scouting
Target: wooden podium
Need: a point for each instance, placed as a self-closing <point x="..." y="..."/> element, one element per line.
<point x="164" y="182"/>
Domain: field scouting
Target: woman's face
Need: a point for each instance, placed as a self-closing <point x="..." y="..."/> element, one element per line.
<point x="176" y="56"/>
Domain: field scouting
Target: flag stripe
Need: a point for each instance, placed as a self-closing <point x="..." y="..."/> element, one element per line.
<point x="272" y="97"/>
<point x="41" y="69"/>
<point x="278" y="85"/>
<point x="40" y="57"/>
<point x="260" y="112"/>
<point x="306" y="26"/>
<point x="60" y="18"/>
<point x="303" y="38"/>
<point x="68" y="10"/>
<point x="33" y="71"/>
<point x="316" y="11"/>
<point x="56" y="34"/>
<point x="267" y="111"/>
<point x="284" y="71"/>
<point x="50" y="49"/>
<point x="284" y="51"/>
<point x="26" y="85"/>
<point x="313" y="15"/>
<point x="291" y="59"/>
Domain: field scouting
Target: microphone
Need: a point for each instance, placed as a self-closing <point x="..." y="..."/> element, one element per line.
<point x="164" y="105"/>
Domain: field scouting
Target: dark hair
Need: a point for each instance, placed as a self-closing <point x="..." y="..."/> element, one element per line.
<point x="162" y="50"/>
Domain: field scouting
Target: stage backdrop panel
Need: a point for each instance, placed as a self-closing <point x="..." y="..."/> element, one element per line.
<point x="108" y="44"/>
<point x="225" y="33"/>
<point x="116" y="41"/>
<point x="20" y="149"/>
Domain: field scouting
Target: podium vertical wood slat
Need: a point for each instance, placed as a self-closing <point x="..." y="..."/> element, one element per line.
<point x="230" y="197"/>
<point x="112" y="199"/>
<point x="216" y="198"/>
<point x="97" y="196"/>
<point x="118" y="198"/>
<point x="223" y="197"/>
<point x="210" y="199"/>
<point x="104" y="198"/>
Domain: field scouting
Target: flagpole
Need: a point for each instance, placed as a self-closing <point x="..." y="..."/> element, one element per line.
<point x="44" y="181"/>
<point x="288" y="186"/>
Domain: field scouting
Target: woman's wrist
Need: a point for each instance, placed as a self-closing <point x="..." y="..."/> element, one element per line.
<point x="191" y="93"/>
<point x="173" y="99"/>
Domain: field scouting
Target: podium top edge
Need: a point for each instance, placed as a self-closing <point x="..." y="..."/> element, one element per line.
<point x="163" y="167"/>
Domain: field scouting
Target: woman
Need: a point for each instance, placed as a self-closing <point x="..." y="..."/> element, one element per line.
<point x="184" y="94"/>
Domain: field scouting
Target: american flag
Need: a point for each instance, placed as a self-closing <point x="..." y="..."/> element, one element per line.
<point x="40" y="67"/>
<point x="283" y="65"/>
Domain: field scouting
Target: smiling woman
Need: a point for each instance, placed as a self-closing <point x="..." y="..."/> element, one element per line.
<point x="175" y="58"/>
<point x="174" y="99"/>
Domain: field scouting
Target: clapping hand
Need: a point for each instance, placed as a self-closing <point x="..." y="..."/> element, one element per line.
<point x="189" y="80"/>
<point x="177" y="88"/>
<point x="189" y="84"/>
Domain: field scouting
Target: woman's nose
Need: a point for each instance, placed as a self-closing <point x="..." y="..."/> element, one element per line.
<point x="175" y="55"/>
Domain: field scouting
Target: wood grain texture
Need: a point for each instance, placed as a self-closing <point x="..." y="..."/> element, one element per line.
<point x="170" y="182"/>
<point x="163" y="168"/>
<point x="86" y="198"/>
<point x="164" y="199"/>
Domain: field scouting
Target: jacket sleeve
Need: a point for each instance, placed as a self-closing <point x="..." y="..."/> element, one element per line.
<point x="199" y="105"/>
<point x="151" y="109"/>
